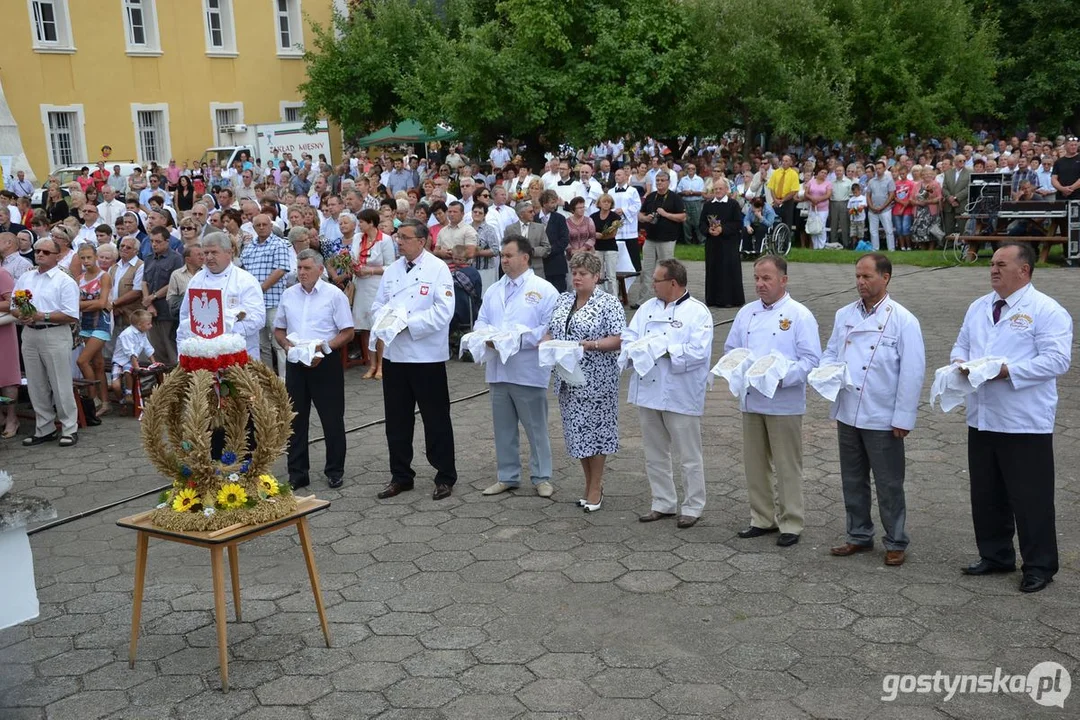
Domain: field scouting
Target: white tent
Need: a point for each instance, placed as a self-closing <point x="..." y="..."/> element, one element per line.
<point x="12" y="156"/>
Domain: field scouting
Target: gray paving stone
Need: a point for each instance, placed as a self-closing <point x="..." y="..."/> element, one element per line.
<point x="626" y="683"/>
<point x="423" y="692"/>
<point x="292" y="690"/>
<point x="556" y="695"/>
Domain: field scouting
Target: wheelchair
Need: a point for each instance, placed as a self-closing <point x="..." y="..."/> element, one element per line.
<point x="777" y="240"/>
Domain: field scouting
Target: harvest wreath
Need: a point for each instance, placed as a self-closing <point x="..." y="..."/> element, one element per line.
<point x="216" y="389"/>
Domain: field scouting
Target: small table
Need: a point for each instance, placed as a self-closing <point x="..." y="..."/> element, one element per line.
<point x="216" y="541"/>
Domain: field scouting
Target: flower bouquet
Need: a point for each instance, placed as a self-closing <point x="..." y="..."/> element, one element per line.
<point x="22" y="303"/>
<point x="341" y="262"/>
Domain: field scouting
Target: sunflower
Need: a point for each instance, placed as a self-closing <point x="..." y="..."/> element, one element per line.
<point x="184" y="500"/>
<point x="231" y="495"/>
<point x="269" y="485"/>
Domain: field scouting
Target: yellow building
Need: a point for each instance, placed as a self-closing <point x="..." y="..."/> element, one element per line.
<point x="153" y="79"/>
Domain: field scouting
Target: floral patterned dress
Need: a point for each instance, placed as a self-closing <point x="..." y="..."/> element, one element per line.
<point x="590" y="412"/>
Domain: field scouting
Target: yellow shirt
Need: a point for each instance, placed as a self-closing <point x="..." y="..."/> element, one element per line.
<point x="783" y="182"/>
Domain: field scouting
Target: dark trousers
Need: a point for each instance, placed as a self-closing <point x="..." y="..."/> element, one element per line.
<point x="752" y="242"/>
<point x="787" y="213"/>
<point x="323" y="386"/>
<point x="633" y="249"/>
<point x="559" y="281"/>
<point x="406" y="385"/>
<point x="1012" y="487"/>
<point x="876" y="451"/>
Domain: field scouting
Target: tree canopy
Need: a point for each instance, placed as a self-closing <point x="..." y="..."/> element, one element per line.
<point x="549" y="71"/>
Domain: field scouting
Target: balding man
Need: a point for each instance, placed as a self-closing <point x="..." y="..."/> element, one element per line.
<point x="12" y="261"/>
<point x="268" y="258"/>
<point x="534" y="232"/>
<point x="110" y="209"/>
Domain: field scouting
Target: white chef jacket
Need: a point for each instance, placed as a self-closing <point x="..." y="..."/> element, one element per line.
<point x="427" y="294"/>
<point x="885" y="356"/>
<point x="629" y="201"/>
<point x="677" y="382"/>
<point x="240" y="292"/>
<point x="790" y="328"/>
<point x="531" y="304"/>
<point x="1034" y="334"/>
<point x="590" y="193"/>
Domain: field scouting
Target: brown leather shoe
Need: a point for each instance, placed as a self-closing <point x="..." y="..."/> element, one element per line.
<point x="441" y="491"/>
<point x="654" y="515"/>
<point x="391" y="490"/>
<point x="849" y="549"/>
<point x="894" y="557"/>
<point x="686" y="521"/>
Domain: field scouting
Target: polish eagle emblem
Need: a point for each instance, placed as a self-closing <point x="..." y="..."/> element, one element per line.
<point x="207" y="318"/>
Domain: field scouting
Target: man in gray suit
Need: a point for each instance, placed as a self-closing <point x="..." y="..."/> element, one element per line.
<point x="534" y="232"/>
<point x="954" y="194"/>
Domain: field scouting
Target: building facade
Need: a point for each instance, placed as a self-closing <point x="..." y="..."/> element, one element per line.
<point x="153" y="79"/>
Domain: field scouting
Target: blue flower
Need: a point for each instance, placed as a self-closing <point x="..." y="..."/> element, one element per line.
<point x="228" y="457"/>
<point x="185" y="471"/>
<point x="245" y="466"/>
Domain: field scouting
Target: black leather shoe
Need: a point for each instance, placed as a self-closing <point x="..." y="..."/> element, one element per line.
<point x="391" y="490"/>
<point x="984" y="567"/>
<point x="753" y="532"/>
<point x="1034" y="583"/>
<point x="299" y="484"/>
<point x="335" y="482"/>
<point x="654" y="515"/>
<point x="441" y="492"/>
<point x="787" y="539"/>
<point x="39" y="439"/>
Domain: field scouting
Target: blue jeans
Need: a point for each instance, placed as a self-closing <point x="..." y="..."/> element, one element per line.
<point x="902" y="224"/>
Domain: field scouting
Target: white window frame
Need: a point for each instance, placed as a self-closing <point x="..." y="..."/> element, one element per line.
<point x="78" y="150"/>
<point x="214" y="107"/>
<point x="166" y="140"/>
<point x="296" y="29"/>
<point x="151" y="45"/>
<point x="286" y="105"/>
<point x="228" y="29"/>
<point x="65" y="41"/>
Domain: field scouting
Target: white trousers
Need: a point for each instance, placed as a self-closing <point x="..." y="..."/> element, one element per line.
<point x="882" y="218"/>
<point x="609" y="275"/>
<point x="662" y="432"/>
<point x="651" y="255"/>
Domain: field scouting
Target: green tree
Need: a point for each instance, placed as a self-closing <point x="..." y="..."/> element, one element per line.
<point x="355" y="64"/>
<point x="924" y="66"/>
<point x="765" y="65"/>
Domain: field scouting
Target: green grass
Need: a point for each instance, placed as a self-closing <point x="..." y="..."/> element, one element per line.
<point x="918" y="258"/>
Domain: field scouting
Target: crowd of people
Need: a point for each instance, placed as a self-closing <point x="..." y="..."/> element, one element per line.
<point x="105" y="277"/>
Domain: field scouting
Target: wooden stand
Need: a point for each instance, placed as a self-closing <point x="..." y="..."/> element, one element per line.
<point x="225" y="539"/>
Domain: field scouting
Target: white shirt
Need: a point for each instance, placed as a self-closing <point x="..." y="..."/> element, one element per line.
<point x="16" y="264"/>
<point x="330" y="229"/>
<point x="108" y="212"/>
<point x="240" y="292"/>
<point x="130" y="343"/>
<point x="1034" y="334"/>
<point x="427" y="294"/>
<point x="317" y="315"/>
<point x="677" y="382"/>
<point x="629" y="201"/>
<point x="885" y="356"/>
<point x="550" y="180"/>
<point x="499" y="156"/>
<point x="693" y="184"/>
<point x="790" y="328"/>
<point x="51" y="291"/>
<point x="531" y="301"/>
<point x="500" y="218"/>
<point x="85" y="235"/>
<point x="14" y="215"/>
<point x="591" y="192"/>
<point x="121" y="269"/>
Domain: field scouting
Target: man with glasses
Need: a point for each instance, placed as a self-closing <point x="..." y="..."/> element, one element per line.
<point x="110" y="209"/>
<point x="86" y="232"/>
<point x="126" y="290"/>
<point x="414" y="362"/>
<point x="154" y="188"/>
<point x="519" y="385"/>
<point x="663" y="214"/>
<point x="670" y="396"/>
<point x="46" y="346"/>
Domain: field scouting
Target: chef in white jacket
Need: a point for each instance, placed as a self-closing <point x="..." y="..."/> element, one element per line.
<point x="772" y="427"/>
<point x="881" y="342"/>
<point x="414" y="364"/>
<point x="1011" y="418"/>
<point x="242" y="301"/>
<point x="519" y="385"/>
<point x="671" y="397"/>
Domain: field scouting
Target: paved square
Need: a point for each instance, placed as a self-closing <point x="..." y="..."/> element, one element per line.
<point x="515" y="606"/>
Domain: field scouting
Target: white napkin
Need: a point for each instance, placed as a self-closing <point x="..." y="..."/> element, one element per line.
<point x="304" y="351"/>
<point x="507" y="342"/>
<point x="950" y="387"/>
<point x="5" y="483"/>
<point x="829" y="379"/>
<point x="767" y="372"/>
<point x="982" y="369"/>
<point x="643" y="352"/>
<point x="565" y="357"/>
<point x="387" y="324"/>
<point x="732" y="367"/>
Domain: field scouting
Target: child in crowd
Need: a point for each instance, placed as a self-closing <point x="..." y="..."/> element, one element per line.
<point x="856" y="205"/>
<point x="131" y="345"/>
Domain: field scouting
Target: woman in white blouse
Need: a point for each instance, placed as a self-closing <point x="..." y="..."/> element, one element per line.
<point x="372" y="251"/>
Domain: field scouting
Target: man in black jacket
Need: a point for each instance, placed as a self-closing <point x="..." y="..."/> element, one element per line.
<point x="558" y="233"/>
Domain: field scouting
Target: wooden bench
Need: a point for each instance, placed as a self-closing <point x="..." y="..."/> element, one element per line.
<point x="158" y="374"/>
<point x="974" y="242"/>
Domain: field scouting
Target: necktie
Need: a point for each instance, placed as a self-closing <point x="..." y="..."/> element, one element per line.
<point x="511" y="288"/>
<point x="525" y="230"/>
<point x="409" y="265"/>
<point x="998" y="304"/>
<point x="621" y="189"/>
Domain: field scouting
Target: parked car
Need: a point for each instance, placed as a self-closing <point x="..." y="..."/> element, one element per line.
<point x="66" y="176"/>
